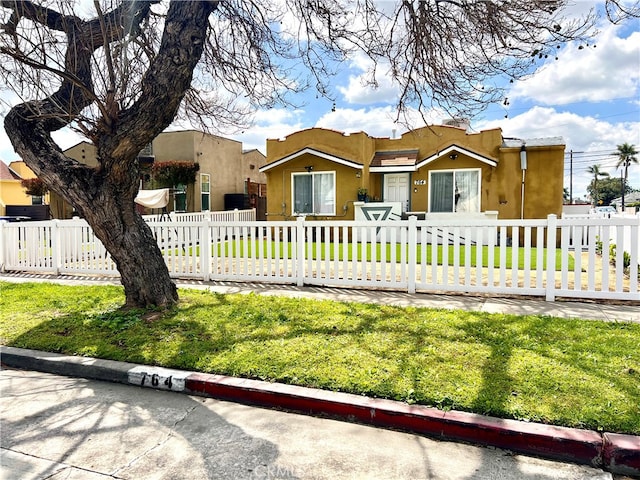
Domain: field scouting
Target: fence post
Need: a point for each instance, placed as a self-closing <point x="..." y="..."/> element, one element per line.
<point x="55" y="247"/>
<point x="3" y="243"/>
<point x="236" y="215"/>
<point x="412" y="234"/>
<point x="300" y="249"/>
<point x="552" y="225"/>
<point x="205" y="249"/>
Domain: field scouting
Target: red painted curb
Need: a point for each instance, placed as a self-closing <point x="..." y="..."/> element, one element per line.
<point x="621" y="453"/>
<point x="560" y="443"/>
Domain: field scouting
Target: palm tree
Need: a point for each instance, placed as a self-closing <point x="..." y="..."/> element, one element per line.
<point x="626" y="155"/>
<point x="596" y="172"/>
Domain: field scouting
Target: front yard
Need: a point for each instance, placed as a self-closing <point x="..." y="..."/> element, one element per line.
<point x="536" y="368"/>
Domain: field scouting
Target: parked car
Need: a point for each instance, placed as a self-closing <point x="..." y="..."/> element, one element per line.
<point x="605" y="211"/>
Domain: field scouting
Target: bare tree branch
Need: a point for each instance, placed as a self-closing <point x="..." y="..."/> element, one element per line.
<point x="620" y="10"/>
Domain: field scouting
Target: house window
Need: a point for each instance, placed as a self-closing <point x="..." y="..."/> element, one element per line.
<point x="314" y="193"/>
<point x="180" y="198"/>
<point x="36" y="200"/>
<point x="454" y="190"/>
<point x="205" y="192"/>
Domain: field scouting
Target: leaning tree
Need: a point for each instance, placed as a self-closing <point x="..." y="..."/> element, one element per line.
<point x="120" y="72"/>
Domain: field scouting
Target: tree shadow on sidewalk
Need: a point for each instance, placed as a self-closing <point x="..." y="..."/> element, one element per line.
<point x="126" y="432"/>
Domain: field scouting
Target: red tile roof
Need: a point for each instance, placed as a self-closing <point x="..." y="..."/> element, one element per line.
<point x="398" y="158"/>
<point x="6" y="173"/>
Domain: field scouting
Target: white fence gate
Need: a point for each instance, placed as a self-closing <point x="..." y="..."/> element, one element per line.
<point x="547" y="257"/>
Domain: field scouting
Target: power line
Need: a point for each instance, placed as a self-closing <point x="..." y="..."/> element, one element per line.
<point x="591" y="153"/>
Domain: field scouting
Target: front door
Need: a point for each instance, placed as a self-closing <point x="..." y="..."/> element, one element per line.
<point x="396" y="189"/>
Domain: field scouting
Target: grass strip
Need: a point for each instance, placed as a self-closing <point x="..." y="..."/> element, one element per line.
<point x="573" y="373"/>
<point x="365" y="252"/>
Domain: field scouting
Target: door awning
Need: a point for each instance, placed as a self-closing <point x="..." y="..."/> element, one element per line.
<point x="394" y="161"/>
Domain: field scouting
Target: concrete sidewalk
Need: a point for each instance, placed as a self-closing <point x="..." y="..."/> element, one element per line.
<point x="615" y="453"/>
<point x="592" y="310"/>
<point x="56" y="427"/>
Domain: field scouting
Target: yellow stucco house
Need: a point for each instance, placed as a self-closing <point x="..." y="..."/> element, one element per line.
<point x="225" y="168"/>
<point x="431" y="171"/>
<point x="12" y="192"/>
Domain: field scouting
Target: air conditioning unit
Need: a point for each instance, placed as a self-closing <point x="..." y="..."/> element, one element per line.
<point x="463" y="123"/>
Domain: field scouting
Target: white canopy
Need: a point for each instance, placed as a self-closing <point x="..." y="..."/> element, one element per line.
<point x="153" y="198"/>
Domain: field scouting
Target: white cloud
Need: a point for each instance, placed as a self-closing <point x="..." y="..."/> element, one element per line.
<point x="592" y="139"/>
<point x="268" y="124"/>
<point x="359" y="92"/>
<point x="377" y="122"/>
<point x="606" y="71"/>
<point x="7" y="155"/>
<point x="65" y="138"/>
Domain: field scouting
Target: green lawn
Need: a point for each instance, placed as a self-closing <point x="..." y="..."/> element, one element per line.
<point x="364" y="251"/>
<point x="564" y="372"/>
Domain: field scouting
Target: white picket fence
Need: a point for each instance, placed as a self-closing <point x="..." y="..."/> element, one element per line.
<point x="235" y="215"/>
<point x="548" y="257"/>
<point x="579" y="233"/>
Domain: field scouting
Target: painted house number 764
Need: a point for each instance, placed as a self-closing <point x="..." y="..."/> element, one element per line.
<point x="155" y="380"/>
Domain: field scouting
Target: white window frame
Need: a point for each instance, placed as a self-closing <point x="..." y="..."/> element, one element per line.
<point x="454" y="170"/>
<point x="203" y="193"/>
<point x="312" y="174"/>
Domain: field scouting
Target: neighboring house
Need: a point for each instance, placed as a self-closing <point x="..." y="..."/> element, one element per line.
<point x="632" y="198"/>
<point x="224" y="168"/>
<point x="433" y="171"/>
<point x="11" y="190"/>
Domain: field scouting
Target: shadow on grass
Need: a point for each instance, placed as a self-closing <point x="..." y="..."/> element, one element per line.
<point x="534" y="368"/>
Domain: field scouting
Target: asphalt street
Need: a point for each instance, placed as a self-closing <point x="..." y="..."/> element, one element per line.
<point x="56" y="427"/>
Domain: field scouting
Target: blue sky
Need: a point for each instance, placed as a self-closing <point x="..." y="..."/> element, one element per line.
<point x="589" y="96"/>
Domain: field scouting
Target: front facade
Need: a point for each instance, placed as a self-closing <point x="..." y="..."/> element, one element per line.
<point x="431" y="171"/>
<point x="224" y="168"/>
<point x="12" y="193"/>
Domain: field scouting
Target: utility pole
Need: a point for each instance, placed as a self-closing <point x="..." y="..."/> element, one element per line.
<point x="623" y="183"/>
<point x="570" y="177"/>
<point x="571" y="152"/>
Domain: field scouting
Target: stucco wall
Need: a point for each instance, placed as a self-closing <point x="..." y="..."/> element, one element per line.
<point x="83" y="152"/>
<point x="219" y="157"/>
<point x="351" y="147"/>
<point x="252" y="160"/>
<point x="501" y="186"/>
<point x="279" y="201"/>
<point x="22" y="169"/>
<point x="11" y="191"/>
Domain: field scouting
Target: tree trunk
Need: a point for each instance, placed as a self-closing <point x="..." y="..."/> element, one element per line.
<point x="129" y="240"/>
<point x="104" y="195"/>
